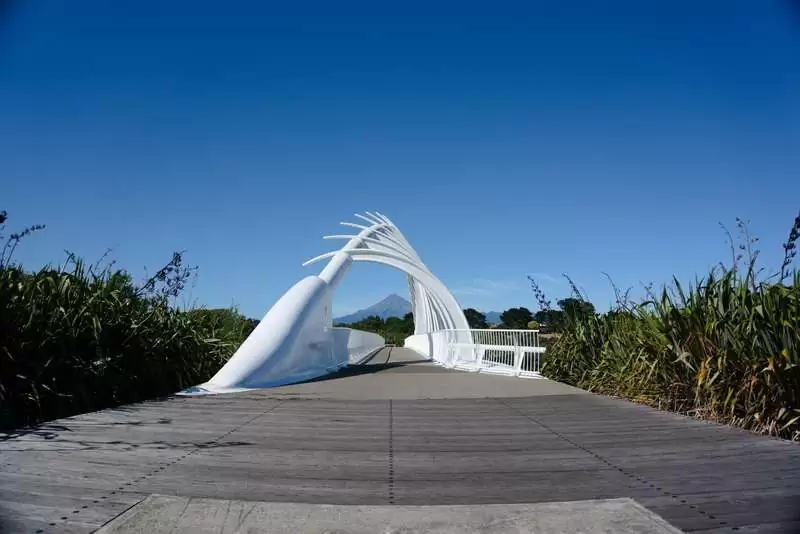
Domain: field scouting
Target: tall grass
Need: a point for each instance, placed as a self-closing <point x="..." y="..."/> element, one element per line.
<point x="726" y="348"/>
<point x="80" y="337"/>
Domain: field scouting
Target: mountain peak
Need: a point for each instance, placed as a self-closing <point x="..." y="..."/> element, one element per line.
<point x="392" y="305"/>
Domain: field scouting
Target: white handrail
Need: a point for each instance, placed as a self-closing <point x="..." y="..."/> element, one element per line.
<point x="501" y="351"/>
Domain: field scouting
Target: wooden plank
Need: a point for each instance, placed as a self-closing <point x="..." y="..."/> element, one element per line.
<point x="464" y="443"/>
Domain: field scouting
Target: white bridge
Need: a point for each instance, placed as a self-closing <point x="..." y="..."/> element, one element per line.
<point x="296" y="341"/>
<point x="394" y="444"/>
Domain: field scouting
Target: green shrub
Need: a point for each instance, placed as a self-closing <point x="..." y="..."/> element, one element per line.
<point x="78" y="337"/>
<point x="727" y="348"/>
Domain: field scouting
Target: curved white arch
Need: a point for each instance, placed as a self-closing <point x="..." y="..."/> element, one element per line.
<point x="296" y="340"/>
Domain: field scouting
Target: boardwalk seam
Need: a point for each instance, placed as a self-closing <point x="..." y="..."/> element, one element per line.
<point x="645" y="482"/>
<point x="159" y="468"/>
<point x="391" y="452"/>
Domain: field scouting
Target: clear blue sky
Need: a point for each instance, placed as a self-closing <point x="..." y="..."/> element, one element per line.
<point x="503" y="138"/>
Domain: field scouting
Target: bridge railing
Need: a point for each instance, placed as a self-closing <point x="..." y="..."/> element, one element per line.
<point x="351" y="346"/>
<point x="507" y="352"/>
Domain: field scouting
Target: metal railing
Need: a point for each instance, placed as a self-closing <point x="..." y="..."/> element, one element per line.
<point x="508" y="352"/>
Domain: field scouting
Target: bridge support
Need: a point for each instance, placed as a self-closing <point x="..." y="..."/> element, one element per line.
<point x="296" y="340"/>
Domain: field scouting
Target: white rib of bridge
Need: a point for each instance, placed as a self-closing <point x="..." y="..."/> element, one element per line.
<point x="296" y="341"/>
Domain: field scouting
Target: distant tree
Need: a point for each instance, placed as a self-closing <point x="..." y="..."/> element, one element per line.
<point x="252" y="324"/>
<point x="475" y="319"/>
<point x="373" y="323"/>
<point x="576" y="308"/>
<point x="613" y="314"/>
<point x="533" y="325"/>
<point x="516" y="318"/>
<point x="550" y="320"/>
<point x="393" y="329"/>
<point x="408" y="323"/>
<point x="394" y="323"/>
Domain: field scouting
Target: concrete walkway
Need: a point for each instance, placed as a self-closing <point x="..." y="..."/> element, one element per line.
<point x="395" y="433"/>
<point x="165" y="514"/>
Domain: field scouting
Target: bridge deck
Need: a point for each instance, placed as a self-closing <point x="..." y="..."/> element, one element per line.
<point x="398" y="432"/>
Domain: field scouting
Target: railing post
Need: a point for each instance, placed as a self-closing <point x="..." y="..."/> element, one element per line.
<point x="479" y="357"/>
<point x="518" y="343"/>
<point x="518" y="354"/>
<point x="452" y="345"/>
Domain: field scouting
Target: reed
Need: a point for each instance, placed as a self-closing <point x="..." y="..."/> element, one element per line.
<point x="80" y="337"/>
<point x="726" y="348"/>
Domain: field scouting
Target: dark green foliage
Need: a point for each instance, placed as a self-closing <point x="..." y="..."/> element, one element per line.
<point x="394" y="330"/>
<point x="79" y="337"/>
<point x="225" y="324"/>
<point x="726" y="348"/>
<point x="516" y="318"/>
<point x="550" y="320"/>
<point x="475" y="319"/>
<point x="576" y="308"/>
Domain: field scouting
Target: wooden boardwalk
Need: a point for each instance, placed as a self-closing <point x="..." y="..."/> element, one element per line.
<point x="398" y="433"/>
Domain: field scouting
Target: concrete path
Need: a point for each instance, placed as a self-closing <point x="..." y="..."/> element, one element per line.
<point x="395" y="433"/>
<point x="160" y="514"/>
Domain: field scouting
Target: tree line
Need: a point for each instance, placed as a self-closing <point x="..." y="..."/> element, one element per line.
<point x="395" y="329"/>
<point x="545" y="320"/>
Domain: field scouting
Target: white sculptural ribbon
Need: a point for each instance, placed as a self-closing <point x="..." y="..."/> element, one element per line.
<point x="296" y="341"/>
